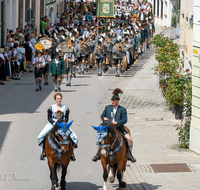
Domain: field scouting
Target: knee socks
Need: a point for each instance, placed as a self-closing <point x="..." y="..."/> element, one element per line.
<point x="37" y="84"/>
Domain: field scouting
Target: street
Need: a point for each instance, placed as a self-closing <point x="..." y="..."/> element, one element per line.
<point x="23" y="114"/>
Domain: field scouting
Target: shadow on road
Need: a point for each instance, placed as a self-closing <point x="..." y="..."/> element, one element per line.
<point x="4" y="126"/>
<point x="82" y="186"/>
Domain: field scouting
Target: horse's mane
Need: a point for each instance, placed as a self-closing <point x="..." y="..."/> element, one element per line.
<point x="54" y="129"/>
<point x="109" y="125"/>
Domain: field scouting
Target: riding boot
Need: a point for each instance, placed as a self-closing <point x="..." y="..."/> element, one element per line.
<point x="43" y="154"/>
<point x="73" y="158"/>
<point x="130" y="156"/>
<point x="96" y="157"/>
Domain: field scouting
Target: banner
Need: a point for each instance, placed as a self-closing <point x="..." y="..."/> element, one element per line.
<point x="105" y="8"/>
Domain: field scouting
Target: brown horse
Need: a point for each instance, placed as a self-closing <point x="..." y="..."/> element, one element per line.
<point x="113" y="152"/>
<point x="59" y="149"/>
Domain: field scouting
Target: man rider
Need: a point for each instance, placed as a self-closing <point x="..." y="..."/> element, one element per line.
<point x="118" y="116"/>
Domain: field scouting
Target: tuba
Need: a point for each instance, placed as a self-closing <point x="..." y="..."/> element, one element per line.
<point x="81" y="46"/>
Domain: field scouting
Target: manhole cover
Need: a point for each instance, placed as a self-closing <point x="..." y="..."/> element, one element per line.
<point x="158" y="168"/>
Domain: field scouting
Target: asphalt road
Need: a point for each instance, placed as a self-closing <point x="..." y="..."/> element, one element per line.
<point x="23" y="114"/>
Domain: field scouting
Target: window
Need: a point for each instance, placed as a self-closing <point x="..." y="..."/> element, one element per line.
<point x="161" y="9"/>
<point x="158" y="8"/>
<point x="154" y="7"/>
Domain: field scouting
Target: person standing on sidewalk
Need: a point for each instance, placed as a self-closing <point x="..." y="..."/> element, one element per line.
<point x="118" y="116"/>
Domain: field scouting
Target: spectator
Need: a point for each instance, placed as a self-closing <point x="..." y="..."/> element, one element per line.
<point x="43" y="23"/>
<point x="9" y="35"/>
<point x="19" y="55"/>
<point x="2" y="69"/>
<point x="7" y="64"/>
<point x="29" y="52"/>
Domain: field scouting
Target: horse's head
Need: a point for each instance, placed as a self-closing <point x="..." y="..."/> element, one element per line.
<point x="104" y="132"/>
<point x="62" y="135"/>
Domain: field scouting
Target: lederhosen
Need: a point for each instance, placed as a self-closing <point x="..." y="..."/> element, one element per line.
<point x="46" y="68"/>
<point x="57" y="75"/>
<point x="69" y="65"/>
<point x="38" y="73"/>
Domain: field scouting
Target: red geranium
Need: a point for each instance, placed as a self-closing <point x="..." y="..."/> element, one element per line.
<point x="177" y="76"/>
<point x="59" y="112"/>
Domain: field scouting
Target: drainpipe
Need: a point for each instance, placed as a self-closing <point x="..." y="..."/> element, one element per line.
<point x="5" y="7"/>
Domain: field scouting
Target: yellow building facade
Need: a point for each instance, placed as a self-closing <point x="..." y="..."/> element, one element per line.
<point x="195" y="125"/>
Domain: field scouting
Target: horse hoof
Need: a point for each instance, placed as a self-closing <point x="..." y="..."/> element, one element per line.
<point x="122" y="185"/>
<point x="105" y="188"/>
<point x="57" y="185"/>
<point x="111" y="179"/>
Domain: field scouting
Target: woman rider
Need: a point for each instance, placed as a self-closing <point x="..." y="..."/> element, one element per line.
<point x="56" y="113"/>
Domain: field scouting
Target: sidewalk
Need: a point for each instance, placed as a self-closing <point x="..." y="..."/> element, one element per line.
<point x="154" y="137"/>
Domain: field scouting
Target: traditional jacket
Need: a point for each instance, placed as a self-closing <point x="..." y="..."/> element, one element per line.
<point x="120" y="116"/>
<point x="59" y="67"/>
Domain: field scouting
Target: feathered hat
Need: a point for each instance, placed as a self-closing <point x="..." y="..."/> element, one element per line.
<point x="116" y="93"/>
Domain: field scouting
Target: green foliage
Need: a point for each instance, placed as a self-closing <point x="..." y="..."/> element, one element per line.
<point x="167" y="55"/>
<point x="183" y="134"/>
<point x="176" y="88"/>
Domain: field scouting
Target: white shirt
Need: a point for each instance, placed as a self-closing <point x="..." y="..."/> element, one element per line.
<point x="41" y="61"/>
<point x="56" y="60"/>
<point x="69" y="56"/>
<point x="1" y="55"/>
<point x="48" y="57"/>
<point x="114" y="112"/>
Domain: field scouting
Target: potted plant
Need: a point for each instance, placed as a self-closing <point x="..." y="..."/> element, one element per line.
<point x="175" y="94"/>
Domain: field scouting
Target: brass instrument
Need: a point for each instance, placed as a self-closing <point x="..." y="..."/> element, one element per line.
<point x="127" y="48"/>
<point x="119" y="46"/>
<point x="81" y="46"/>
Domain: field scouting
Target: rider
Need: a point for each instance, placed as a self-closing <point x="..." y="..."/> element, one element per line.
<point x="56" y="113"/>
<point x="118" y="116"/>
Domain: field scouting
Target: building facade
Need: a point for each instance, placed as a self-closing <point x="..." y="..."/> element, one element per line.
<point x="166" y="12"/>
<point x="195" y="127"/>
<point x="51" y="10"/>
<point x="186" y="33"/>
<point x="14" y="14"/>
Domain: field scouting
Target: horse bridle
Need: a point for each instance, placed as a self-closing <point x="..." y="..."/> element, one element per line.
<point x="109" y="136"/>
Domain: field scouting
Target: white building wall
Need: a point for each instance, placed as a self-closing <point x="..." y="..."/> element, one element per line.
<point x="195" y="124"/>
<point x="9" y="14"/>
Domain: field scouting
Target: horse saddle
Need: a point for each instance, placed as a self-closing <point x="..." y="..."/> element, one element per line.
<point x="126" y="141"/>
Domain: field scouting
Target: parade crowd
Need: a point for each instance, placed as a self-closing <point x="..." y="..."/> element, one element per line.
<point x="93" y="42"/>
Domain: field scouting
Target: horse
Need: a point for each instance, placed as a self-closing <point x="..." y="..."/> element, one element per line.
<point x="58" y="148"/>
<point x="113" y="151"/>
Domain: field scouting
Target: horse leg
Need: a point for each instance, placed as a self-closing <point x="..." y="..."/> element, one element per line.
<point x="105" y="173"/>
<point x="105" y="177"/>
<point x="111" y="177"/>
<point x="63" y="182"/>
<point x="120" y="177"/>
<point x="53" y="178"/>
